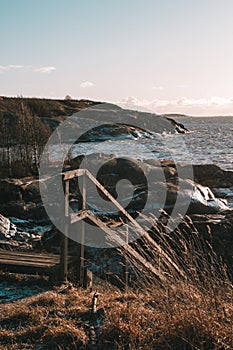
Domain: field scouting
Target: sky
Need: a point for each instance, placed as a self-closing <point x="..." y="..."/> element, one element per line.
<point x="166" y="56"/>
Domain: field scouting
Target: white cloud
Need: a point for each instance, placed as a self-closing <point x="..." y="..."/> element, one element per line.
<point x="132" y="102"/>
<point x="47" y="70"/>
<point x="10" y="67"/>
<point x="15" y="66"/>
<point x="203" y="106"/>
<point x="86" y="84"/>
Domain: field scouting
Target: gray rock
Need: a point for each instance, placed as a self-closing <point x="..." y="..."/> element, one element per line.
<point x="7" y="229"/>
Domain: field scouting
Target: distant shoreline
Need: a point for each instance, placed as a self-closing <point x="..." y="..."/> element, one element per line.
<point x="92" y="102"/>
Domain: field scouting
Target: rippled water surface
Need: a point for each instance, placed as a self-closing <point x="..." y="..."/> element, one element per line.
<point x="209" y="141"/>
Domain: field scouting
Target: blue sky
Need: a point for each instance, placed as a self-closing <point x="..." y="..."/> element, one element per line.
<point x="165" y="56"/>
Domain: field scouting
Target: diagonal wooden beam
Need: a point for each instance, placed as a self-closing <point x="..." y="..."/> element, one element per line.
<point x="114" y="237"/>
<point x="134" y="222"/>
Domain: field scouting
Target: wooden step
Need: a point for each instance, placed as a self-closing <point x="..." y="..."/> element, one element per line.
<point x="28" y="262"/>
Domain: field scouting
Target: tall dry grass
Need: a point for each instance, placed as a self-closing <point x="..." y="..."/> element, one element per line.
<point x="188" y="305"/>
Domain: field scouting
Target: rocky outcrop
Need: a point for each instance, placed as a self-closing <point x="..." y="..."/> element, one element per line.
<point x="20" y="234"/>
<point x="152" y="179"/>
<point x="220" y="181"/>
<point x="21" y="198"/>
<point x="52" y="112"/>
<point x="115" y="122"/>
<point x="7" y="229"/>
<point x="180" y="128"/>
<point x="212" y="176"/>
<point x="114" y="131"/>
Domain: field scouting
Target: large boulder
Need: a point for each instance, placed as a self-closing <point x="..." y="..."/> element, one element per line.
<point x="212" y="176"/>
<point x="21" y="198"/>
<point x="165" y="182"/>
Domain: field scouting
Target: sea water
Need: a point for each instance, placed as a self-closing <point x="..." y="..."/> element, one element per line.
<point x="209" y="141"/>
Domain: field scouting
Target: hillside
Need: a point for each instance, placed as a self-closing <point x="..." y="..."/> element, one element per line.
<point x="50" y="111"/>
<point x="45" y="108"/>
<point x="27" y="123"/>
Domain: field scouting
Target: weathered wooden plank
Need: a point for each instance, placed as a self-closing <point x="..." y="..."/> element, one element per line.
<point x="73" y="173"/>
<point x="29" y="255"/>
<point x="25" y="263"/>
<point x="81" y="215"/>
<point x="28" y="262"/>
<point x="28" y="259"/>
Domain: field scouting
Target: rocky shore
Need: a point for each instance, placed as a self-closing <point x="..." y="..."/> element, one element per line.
<point x="25" y="225"/>
<point x="205" y="194"/>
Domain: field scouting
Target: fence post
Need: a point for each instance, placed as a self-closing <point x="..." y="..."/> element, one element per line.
<point x="94" y="302"/>
<point x="81" y="245"/>
<point x="64" y="237"/>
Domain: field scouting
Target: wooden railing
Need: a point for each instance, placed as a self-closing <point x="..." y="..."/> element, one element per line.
<point x="85" y="213"/>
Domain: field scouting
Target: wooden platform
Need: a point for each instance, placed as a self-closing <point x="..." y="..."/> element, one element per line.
<point x="28" y="262"/>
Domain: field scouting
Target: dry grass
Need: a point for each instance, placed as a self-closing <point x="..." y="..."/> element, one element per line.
<point x="47" y="321"/>
<point x="191" y="310"/>
<point x="181" y="317"/>
<point x="24" y="280"/>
